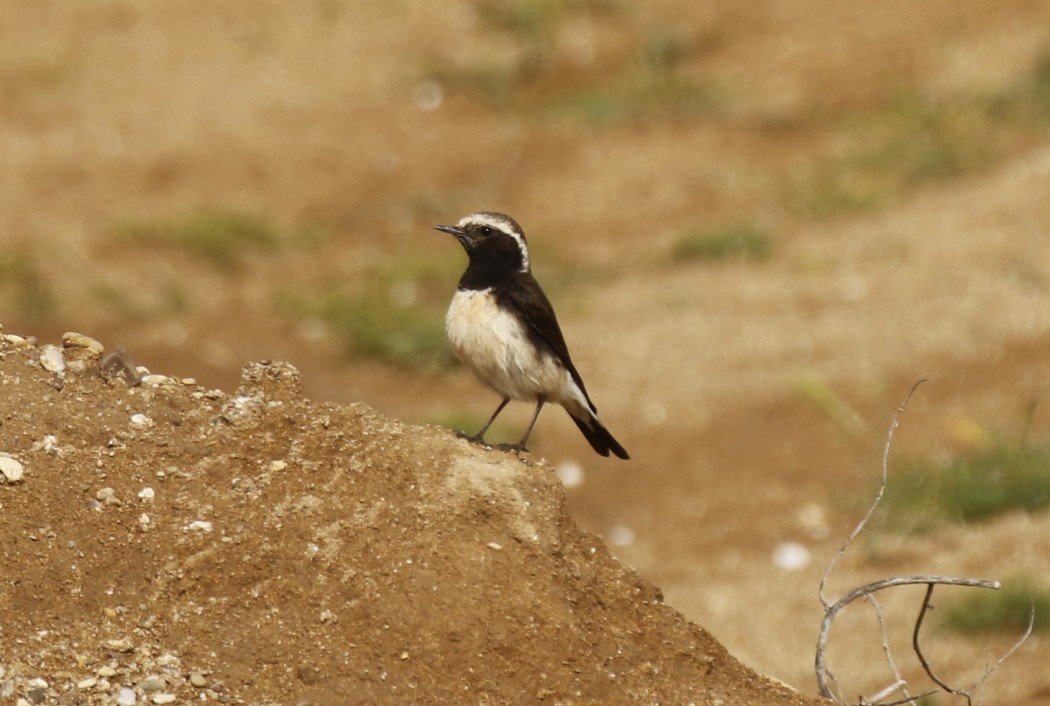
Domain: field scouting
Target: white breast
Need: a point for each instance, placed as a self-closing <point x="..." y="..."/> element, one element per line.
<point x="495" y="345"/>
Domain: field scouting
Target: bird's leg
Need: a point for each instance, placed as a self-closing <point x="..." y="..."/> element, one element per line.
<point x="520" y="446"/>
<point x="479" y="438"/>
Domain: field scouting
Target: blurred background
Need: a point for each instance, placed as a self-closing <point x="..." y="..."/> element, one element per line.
<point x="760" y="223"/>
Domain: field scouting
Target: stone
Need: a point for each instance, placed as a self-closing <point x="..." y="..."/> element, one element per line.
<point x="51" y="359"/>
<point x="11" y="470"/>
<point x="72" y="339"/>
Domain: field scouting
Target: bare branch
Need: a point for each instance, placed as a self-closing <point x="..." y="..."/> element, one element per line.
<point x="831" y="610"/>
<point x="926" y="605"/>
<point x="878" y="496"/>
<point x="1016" y="646"/>
<point x="899" y="684"/>
<point x="912" y="699"/>
<point x="968" y="692"/>
<point x="834" y="609"/>
<point x="823" y="675"/>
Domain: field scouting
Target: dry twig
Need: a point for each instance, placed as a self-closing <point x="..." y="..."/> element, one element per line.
<point x="832" y="609"/>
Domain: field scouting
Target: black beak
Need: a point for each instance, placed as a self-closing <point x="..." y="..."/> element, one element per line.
<point x="453" y="230"/>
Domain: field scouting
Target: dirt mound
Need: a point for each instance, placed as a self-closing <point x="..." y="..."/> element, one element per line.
<point x="166" y="543"/>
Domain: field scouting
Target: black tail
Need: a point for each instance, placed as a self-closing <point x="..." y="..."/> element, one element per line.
<point x="599" y="437"/>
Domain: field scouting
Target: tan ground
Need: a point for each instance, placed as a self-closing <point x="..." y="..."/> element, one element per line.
<point x="257" y="547"/>
<point x="308" y="115"/>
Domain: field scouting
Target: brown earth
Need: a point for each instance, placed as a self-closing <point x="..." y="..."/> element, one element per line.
<point x="314" y="118"/>
<point x="258" y="547"/>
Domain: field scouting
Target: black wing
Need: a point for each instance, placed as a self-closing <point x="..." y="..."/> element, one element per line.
<point x="525" y="295"/>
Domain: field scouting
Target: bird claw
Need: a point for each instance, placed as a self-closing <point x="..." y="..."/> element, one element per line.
<point x="478" y="440"/>
<point x="475" y="439"/>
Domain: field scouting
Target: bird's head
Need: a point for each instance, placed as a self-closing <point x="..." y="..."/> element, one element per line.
<point x="492" y="239"/>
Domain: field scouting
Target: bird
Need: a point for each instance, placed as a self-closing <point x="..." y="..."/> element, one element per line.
<point x="503" y="328"/>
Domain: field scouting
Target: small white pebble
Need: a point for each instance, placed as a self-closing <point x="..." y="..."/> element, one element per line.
<point x="199" y="526"/>
<point x="11" y="471"/>
<point x="48" y="443"/>
<point x="106" y="671"/>
<point x="122" y="645"/>
<point x="126" y="697"/>
<point x="164" y="698"/>
<point x="51" y="359"/>
<point x="791" y="556"/>
<point x="14" y="340"/>
<point x="87" y="683"/>
<point x="146" y="493"/>
<point x="154" y="380"/>
<point x="141" y="420"/>
<point x="153" y="683"/>
<point x="277" y="466"/>
<point x="144" y="519"/>
<point x="570" y="473"/>
<point x="494" y="545"/>
<point x="168" y="660"/>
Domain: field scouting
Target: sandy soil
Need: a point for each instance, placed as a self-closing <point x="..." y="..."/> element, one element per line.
<point x="181" y="544"/>
<point x="321" y="119"/>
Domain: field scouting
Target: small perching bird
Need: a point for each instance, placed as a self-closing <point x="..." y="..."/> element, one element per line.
<point x="502" y="326"/>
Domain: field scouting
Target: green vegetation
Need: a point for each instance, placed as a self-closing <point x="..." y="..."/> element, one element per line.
<point x="914" y="140"/>
<point x="642" y="80"/>
<point x="814" y="389"/>
<point x="1001" y="477"/>
<point x="1007" y="610"/>
<point x="739" y="240"/>
<point x="917" y="138"/>
<point x="532" y="24"/>
<point x="395" y="313"/>
<point x="645" y="97"/>
<point x="1027" y="101"/>
<point x="168" y="298"/>
<point x="374" y="325"/>
<point x="220" y="237"/>
<point x="651" y="85"/>
<point x="29" y="292"/>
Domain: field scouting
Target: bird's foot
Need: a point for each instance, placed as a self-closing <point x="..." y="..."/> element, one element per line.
<point x="476" y="439"/>
<point x="516" y="448"/>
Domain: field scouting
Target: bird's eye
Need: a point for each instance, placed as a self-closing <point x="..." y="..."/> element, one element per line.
<point x="486" y="230"/>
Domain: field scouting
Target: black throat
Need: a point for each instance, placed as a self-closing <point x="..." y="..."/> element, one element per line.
<point x="482" y="276"/>
<point x="492" y="264"/>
